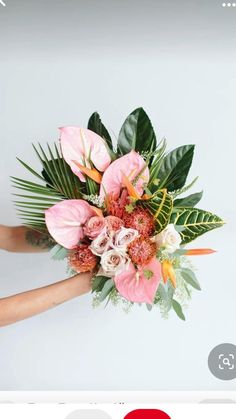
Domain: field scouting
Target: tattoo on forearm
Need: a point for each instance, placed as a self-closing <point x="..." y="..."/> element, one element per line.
<point x="38" y="239"/>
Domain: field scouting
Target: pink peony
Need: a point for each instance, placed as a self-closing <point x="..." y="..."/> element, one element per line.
<point x="94" y="226"/>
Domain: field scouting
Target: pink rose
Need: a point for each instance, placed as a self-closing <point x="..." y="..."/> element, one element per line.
<point x="114" y="262"/>
<point x="124" y="237"/>
<point x="101" y="244"/>
<point x="94" y="226"/>
<point x="113" y="223"/>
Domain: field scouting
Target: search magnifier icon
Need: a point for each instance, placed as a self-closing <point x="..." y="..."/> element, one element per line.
<point x="226" y="362"/>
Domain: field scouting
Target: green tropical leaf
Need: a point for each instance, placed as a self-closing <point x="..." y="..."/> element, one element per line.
<point x="195" y="222"/>
<point x="95" y="124"/>
<point x="189" y="201"/>
<point x="155" y="165"/>
<point x="190" y="277"/>
<point x="160" y="205"/>
<point x="185" y="188"/>
<point x="99" y="282"/>
<point x="178" y="309"/>
<point x="91" y="186"/>
<point x="166" y="293"/>
<point x="58" y="183"/>
<point x="107" y="288"/>
<point x="137" y="133"/>
<point x="58" y="252"/>
<point x="175" y="167"/>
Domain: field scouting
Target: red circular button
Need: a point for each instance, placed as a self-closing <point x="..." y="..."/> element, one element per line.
<point x="147" y="414"/>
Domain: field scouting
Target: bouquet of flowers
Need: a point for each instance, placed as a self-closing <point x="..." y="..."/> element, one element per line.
<point x="113" y="209"/>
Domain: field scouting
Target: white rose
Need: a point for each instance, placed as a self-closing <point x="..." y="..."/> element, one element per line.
<point x="113" y="262"/>
<point x="101" y="244"/>
<point x="169" y="238"/>
<point x="124" y="237"/>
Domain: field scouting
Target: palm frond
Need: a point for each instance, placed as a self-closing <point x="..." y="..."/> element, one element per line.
<point x="58" y="183"/>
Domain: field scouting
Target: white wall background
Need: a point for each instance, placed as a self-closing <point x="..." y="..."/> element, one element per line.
<point x="60" y="61"/>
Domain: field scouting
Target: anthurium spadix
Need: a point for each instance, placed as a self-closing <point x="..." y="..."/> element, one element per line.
<point x="139" y="284"/>
<point x="130" y="166"/>
<point x="84" y="147"/>
<point x="65" y="221"/>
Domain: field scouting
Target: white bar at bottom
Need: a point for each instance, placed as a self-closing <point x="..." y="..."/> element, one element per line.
<point x="116" y="411"/>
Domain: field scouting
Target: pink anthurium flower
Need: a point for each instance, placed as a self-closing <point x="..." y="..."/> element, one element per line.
<point x="66" y="219"/>
<point x="139" y="285"/>
<point x="128" y="166"/>
<point x="84" y="146"/>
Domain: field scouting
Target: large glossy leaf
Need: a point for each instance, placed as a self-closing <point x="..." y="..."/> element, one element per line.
<point x="184" y="189"/>
<point x="175" y="167"/>
<point x="137" y="133"/>
<point x="188" y="201"/>
<point x="195" y="222"/>
<point x="160" y="206"/>
<point x="95" y="124"/>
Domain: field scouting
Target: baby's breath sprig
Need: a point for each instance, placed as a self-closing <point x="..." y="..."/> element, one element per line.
<point x="94" y="199"/>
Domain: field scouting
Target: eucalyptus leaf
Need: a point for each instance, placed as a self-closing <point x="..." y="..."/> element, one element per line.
<point x="179" y="252"/>
<point x="190" y="277"/>
<point x="178" y="309"/>
<point x="58" y="252"/>
<point x="175" y="167"/>
<point x="166" y="293"/>
<point x="163" y="292"/>
<point x="107" y="288"/>
<point x="99" y="282"/>
<point x="189" y="201"/>
<point x="137" y="133"/>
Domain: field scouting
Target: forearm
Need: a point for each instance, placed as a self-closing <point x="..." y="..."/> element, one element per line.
<point x="21" y="306"/>
<point x="24" y="240"/>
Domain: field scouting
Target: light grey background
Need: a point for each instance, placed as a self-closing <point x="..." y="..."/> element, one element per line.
<point x="60" y="61"/>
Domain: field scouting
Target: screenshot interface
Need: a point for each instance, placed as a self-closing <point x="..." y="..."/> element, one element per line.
<point x="117" y="207"/>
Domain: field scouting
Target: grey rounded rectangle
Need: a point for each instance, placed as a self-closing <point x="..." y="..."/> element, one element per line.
<point x="88" y="414"/>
